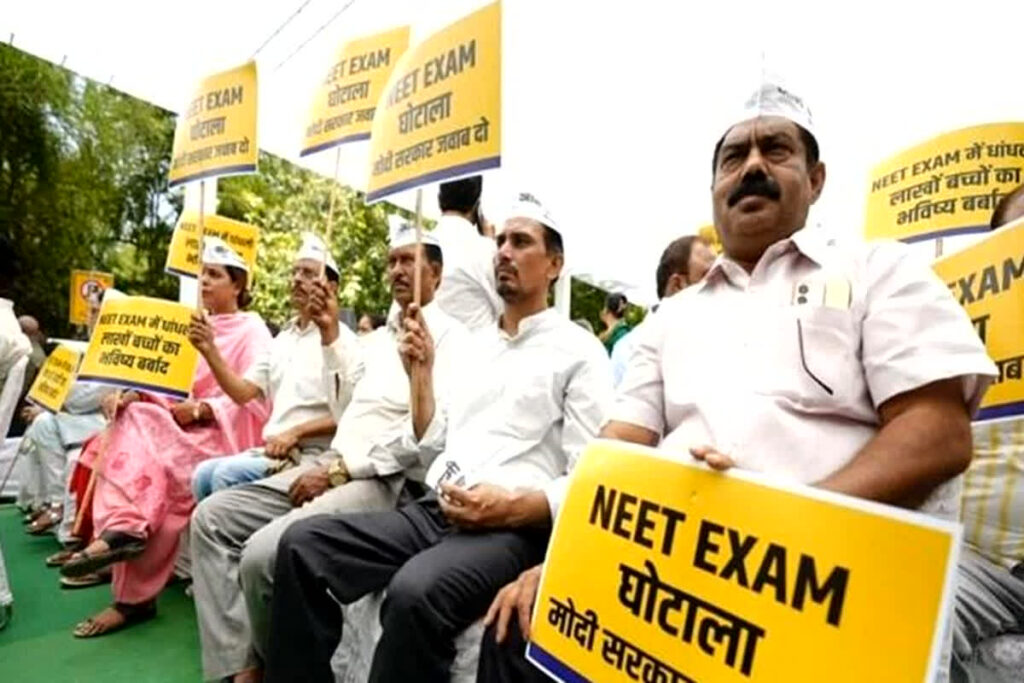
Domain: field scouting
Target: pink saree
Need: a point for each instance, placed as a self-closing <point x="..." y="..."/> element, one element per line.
<point x="143" y="476"/>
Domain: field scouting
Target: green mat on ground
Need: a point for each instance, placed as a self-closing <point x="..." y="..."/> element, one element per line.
<point x="38" y="646"/>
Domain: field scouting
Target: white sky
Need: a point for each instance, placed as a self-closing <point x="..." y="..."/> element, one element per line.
<point x="611" y="109"/>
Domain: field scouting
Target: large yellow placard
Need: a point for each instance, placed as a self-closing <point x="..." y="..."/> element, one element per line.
<point x="53" y="383"/>
<point x="183" y="253"/>
<point x="946" y="186"/>
<point x="988" y="281"/>
<point x="667" y="571"/>
<point x="142" y="343"/>
<point x="440" y="114"/>
<point x="216" y="134"/>
<point x="84" y="284"/>
<point x="344" y="106"/>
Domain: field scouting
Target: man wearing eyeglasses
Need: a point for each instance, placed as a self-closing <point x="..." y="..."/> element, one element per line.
<point x="849" y="367"/>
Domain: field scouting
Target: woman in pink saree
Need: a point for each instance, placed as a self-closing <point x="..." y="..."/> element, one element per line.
<point x="144" y="461"/>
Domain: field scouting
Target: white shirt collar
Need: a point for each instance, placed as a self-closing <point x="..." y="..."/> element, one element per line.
<point x="812" y="242"/>
<point x="529" y="325"/>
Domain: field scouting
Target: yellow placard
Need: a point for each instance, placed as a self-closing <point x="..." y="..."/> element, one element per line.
<point x="84" y="284"/>
<point x="947" y="186"/>
<point x="183" y="253"/>
<point x="52" y="384"/>
<point x="440" y="114"/>
<point x="142" y="343"/>
<point x="667" y="571"/>
<point x="710" y="235"/>
<point x="216" y="134"/>
<point x="345" y="102"/>
<point x="988" y="281"/>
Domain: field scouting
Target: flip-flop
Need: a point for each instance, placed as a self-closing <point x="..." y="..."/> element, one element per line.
<point x="87" y="581"/>
<point x="132" y="615"/>
<point x="121" y="546"/>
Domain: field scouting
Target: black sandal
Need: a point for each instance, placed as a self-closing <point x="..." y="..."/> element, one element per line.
<point x="121" y="547"/>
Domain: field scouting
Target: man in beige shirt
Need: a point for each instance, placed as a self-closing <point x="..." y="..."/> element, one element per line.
<point x="844" y="366"/>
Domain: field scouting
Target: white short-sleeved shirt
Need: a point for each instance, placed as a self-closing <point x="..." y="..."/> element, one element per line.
<point x="290" y="372"/>
<point x="468" y="291"/>
<point x="375" y="432"/>
<point x="784" y="368"/>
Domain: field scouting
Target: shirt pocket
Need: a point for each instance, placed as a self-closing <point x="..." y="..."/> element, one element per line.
<point x="811" y="357"/>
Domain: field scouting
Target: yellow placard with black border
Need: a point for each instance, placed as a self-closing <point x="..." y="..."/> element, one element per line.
<point x="662" y="570"/>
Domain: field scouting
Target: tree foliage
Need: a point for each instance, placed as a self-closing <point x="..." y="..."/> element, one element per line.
<point x="83" y="184"/>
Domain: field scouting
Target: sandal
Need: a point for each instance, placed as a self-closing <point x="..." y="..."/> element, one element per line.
<point x="45" y="522"/>
<point x="60" y="558"/>
<point x="120" y="547"/>
<point x="88" y="581"/>
<point x="130" y="615"/>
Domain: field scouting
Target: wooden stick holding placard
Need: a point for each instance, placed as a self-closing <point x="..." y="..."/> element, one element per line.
<point x="418" y="263"/>
<point x="199" y="236"/>
<point x="328" y="229"/>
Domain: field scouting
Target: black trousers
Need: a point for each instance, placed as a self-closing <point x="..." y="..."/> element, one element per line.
<point x="439" y="580"/>
<point x="506" y="662"/>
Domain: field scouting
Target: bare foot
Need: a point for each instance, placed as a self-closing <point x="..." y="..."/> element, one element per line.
<point x="254" y="675"/>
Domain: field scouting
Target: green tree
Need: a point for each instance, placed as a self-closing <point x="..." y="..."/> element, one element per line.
<point x="82" y="185"/>
<point x="286" y="201"/>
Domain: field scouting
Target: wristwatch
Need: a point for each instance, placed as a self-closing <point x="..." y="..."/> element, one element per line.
<point x="337" y="473"/>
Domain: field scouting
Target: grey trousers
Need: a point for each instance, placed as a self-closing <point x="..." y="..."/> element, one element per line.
<point x="989" y="604"/>
<point x="234" y="535"/>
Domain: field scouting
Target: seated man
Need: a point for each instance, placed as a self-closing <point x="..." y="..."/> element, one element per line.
<point x="847" y="367"/>
<point x="45" y="448"/>
<point x="235" y="532"/>
<point x="989" y="619"/>
<point x="289" y="374"/>
<point x="538" y="386"/>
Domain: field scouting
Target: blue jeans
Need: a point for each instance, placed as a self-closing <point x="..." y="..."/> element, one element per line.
<point x="216" y="474"/>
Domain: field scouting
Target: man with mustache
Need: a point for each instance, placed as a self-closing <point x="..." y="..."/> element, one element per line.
<point x="235" y="532"/>
<point x="844" y="366"/>
<point x="533" y="395"/>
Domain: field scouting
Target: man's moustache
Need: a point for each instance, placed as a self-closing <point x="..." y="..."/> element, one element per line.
<point x="757" y="187"/>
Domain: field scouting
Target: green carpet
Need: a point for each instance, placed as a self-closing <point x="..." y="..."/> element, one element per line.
<point x="38" y="646"/>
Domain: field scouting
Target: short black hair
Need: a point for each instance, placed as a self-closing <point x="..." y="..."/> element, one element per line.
<point x="460" y="195"/>
<point x="553" y="241"/>
<point x="240" y="278"/>
<point x="675" y="259"/>
<point x="331" y="275"/>
<point x="811" y="151"/>
<point x="999" y="217"/>
<point x="616" y="304"/>
<point x="432" y="253"/>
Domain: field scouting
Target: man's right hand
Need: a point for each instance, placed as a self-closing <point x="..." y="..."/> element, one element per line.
<point x="30" y="413"/>
<point x="323" y="310"/>
<point x="517" y="597"/>
<point x="416" y="345"/>
<point x="200" y="333"/>
<point x="280" y="445"/>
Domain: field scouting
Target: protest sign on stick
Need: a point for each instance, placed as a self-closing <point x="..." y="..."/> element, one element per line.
<point x="53" y="383"/>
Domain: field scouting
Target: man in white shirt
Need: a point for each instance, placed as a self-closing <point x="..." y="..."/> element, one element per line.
<point x="537" y="389"/>
<point x="684" y="262"/>
<point x="467" y="292"/>
<point x="846" y="367"/>
<point x="235" y="532"/>
<point x="14" y="345"/>
<point x="290" y="375"/>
